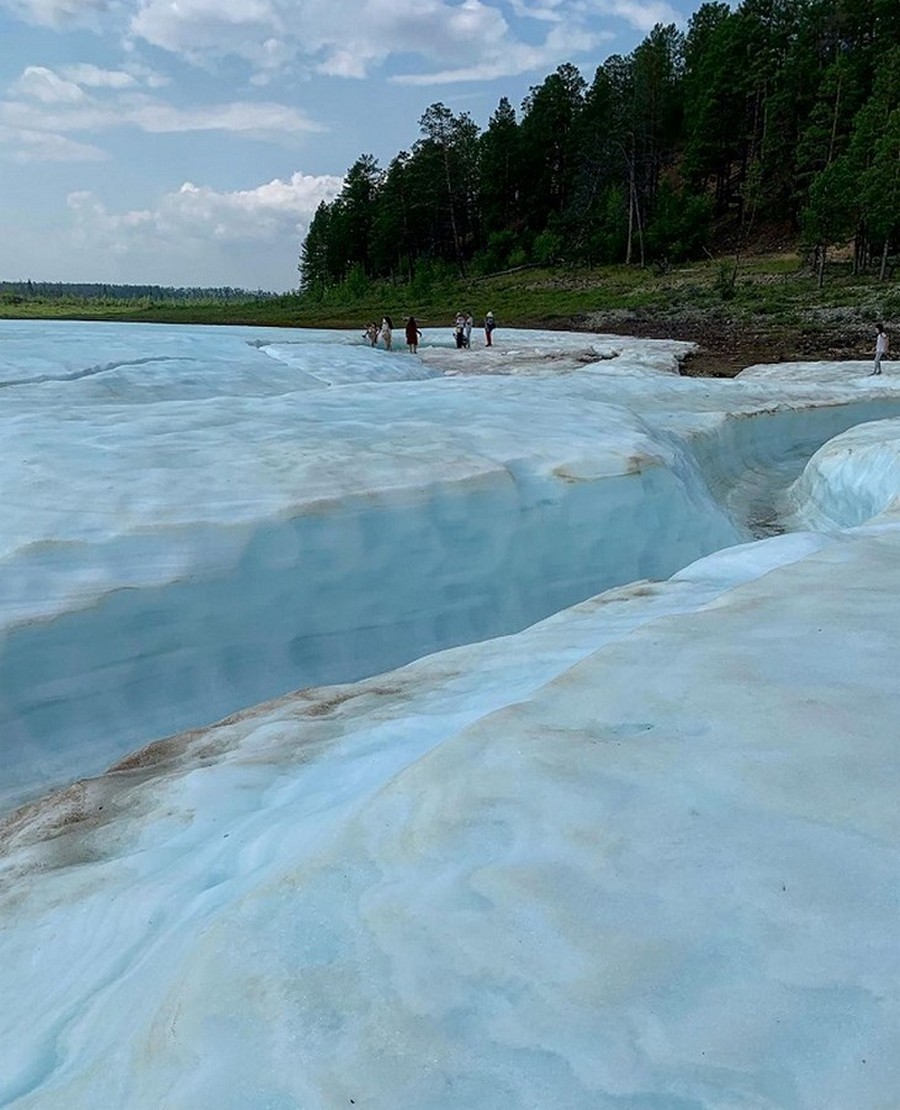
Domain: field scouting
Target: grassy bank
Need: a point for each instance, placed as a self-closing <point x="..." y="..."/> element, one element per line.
<point x="767" y="307"/>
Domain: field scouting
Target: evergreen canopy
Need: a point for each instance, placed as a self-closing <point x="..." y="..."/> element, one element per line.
<point x="779" y="112"/>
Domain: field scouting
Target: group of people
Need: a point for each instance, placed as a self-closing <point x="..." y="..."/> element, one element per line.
<point x="384" y="332"/>
<point x="462" y="331"/>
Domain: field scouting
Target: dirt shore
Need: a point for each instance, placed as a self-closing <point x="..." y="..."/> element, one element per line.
<point x="726" y="346"/>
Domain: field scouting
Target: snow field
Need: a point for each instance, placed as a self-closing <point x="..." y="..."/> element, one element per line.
<point x="629" y="853"/>
<point x="198" y="532"/>
<point x="642" y="853"/>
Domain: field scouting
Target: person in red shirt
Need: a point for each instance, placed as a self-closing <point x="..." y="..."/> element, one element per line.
<point x="412" y="334"/>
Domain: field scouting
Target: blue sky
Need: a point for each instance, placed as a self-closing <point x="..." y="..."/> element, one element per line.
<point x="188" y="142"/>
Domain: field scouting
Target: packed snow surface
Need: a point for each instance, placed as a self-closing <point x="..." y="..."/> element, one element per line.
<point x="621" y="832"/>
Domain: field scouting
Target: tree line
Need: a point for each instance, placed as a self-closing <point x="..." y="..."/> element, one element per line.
<point x="776" y="112"/>
<point x="19" y="292"/>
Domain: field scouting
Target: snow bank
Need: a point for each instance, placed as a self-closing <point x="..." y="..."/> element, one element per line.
<point x="644" y="850"/>
<point x="851" y="479"/>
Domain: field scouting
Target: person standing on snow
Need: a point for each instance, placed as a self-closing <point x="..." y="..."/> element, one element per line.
<point x="882" y="345"/>
<point x="412" y="334"/>
<point x="489" y="326"/>
<point x="387" y="329"/>
<point x="459" y="331"/>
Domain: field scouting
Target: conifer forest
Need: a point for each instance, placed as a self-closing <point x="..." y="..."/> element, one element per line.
<point x="770" y="116"/>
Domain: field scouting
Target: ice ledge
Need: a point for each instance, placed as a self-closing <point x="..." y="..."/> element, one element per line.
<point x="648" y="845"/>
<point x="851" y="479"/>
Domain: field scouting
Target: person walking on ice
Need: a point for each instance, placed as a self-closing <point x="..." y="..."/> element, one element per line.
<point x="882" y="346"/>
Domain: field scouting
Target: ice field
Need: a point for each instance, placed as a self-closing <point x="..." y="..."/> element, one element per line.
<point x="490" y="728"/>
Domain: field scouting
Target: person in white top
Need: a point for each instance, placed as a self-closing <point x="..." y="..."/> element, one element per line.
<point x="387" y="328"/>
<point x="882" y="345"/>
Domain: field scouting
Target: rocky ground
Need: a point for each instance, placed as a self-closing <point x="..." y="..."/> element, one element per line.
<point x="726" y="345"/>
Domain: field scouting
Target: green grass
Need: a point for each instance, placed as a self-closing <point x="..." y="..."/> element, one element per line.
<point x="768" y="288"/>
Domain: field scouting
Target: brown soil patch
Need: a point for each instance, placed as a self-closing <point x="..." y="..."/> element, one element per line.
<point x="725" y="346"/>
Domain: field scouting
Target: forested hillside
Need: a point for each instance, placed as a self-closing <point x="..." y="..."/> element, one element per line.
<point x="775" y="114"/>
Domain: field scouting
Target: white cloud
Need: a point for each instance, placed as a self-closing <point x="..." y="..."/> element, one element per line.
<point x="349" y="38"/>
<point x="196" y="29"/>
<point x="42" y="101"/>
<point x="504" y="59"/>
<point x="644" y="16"/>
<point x="248" y="238"/>
<point x="639" y="15"/>
<point x="547" y="10"/>
<point x="145" y="76"/>
<point x="26" y="146"/>
<point x="456" y="39"/>
<point x="92" y="77"/>
<point x="253" y="214"/>
<point x="42" y="84"/>
<point x="430" y="28"/>
<point x="59" y="13"/>
<point x="249" y="119"/>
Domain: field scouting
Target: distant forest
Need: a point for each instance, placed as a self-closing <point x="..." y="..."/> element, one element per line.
<point x="17" y="292"/>
<point x="774" y="116"/>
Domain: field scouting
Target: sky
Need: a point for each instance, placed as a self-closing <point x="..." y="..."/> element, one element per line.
<point x="189" y="142"/>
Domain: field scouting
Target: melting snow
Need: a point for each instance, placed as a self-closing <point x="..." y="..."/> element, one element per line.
<point x="621" y="831"/>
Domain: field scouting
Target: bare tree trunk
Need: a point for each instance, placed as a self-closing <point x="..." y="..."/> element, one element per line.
<point x="820" y="276"/>
<point x="884" y="257"/>
<point x="737" y="266"/>
<point x="834" y="122"/>
<point x="630" y="215"/>
<point x="453" y="224"/>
